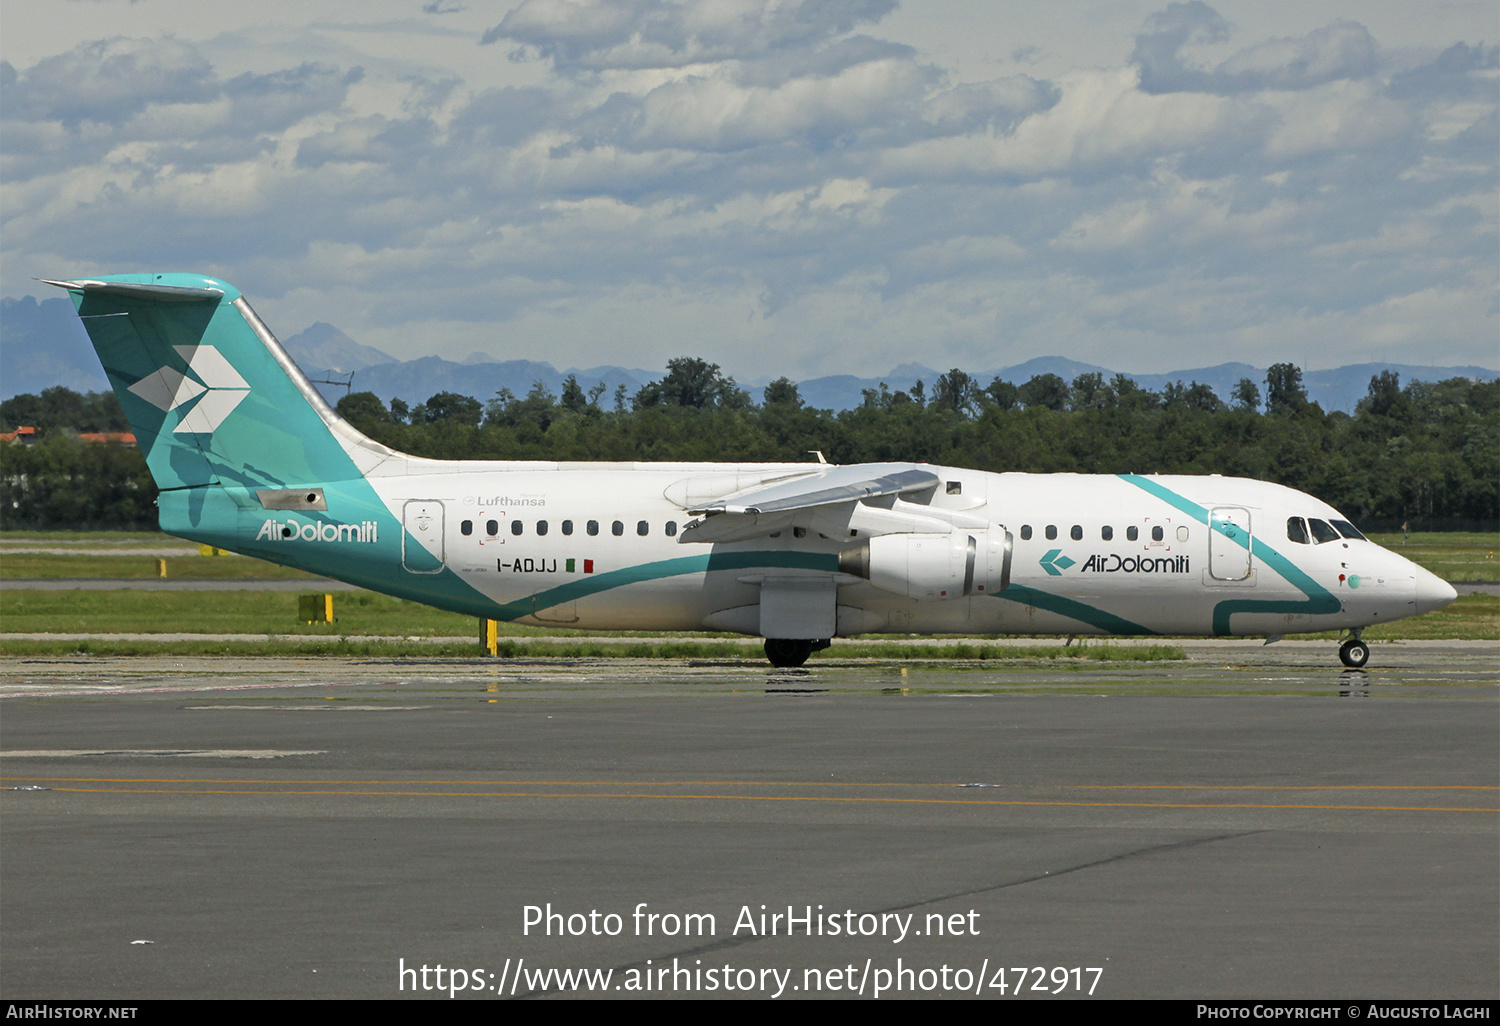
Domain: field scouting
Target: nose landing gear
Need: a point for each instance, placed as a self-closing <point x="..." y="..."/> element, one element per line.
<point x="1354" y="653"/>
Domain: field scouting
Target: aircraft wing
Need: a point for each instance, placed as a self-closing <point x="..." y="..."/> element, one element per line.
<point x="836" y="485"/>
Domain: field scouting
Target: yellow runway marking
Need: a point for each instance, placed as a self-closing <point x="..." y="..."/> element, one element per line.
<point x="1288" y="787"/>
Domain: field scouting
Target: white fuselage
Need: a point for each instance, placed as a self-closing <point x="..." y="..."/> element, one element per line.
<point x="614" y="549"/>
<point x="248" y="456"/>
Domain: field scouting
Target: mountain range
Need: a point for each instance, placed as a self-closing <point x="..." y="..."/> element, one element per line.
<point x="43" y="344"/>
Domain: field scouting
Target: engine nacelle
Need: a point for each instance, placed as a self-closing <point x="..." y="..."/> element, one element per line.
<point x="933" y="565"/>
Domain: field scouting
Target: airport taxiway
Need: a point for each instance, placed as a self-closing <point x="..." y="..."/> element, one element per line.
<point x="1253" y="822"/>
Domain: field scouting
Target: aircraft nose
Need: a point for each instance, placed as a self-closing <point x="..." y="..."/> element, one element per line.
<point x="1433" y="592"/>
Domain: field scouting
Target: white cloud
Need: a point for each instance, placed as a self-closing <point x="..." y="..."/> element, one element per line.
<point x="715" y="113"/>
<point x="1344" y="49"/>
<point x="1101" y="118"/>
<point x="109" y="80"/>
<point x="1344" y="117"/>
<point x="772" y="187"/>
<point x="594" y="35"/>
<point x="1185" y="215"/>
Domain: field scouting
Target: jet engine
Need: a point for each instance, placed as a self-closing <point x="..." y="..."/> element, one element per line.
<point x="933" y="566"/>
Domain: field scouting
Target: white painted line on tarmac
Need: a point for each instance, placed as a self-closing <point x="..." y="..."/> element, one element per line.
<point x="309" y="707"/>
<point x="158" y="753"/>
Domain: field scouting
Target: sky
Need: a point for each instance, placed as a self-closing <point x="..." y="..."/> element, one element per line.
<point x="780" y="186"/>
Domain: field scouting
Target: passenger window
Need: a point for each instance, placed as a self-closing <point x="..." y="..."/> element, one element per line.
<point x="491" y="528"/>
<point x="1026" y="532"/>
<point x="541" y="527"/>
<point x="1157" y="534"/>
<point x="515" y="527"/>
<point x="1182" y="533"/>
<point x="1132" y="533"/>
<point x="1321" y="532"/>
<point x="955" y="487"/>
<point x="1077" y="533"/>
<point x="617" y="528"/>
<point x="642" y="527"/>
<point x="1107" y="533"/>
<point x="1051" y="532"/>
<point x="1348" y="530"/>
<point x="592" y="528"/>
<point x="567" y="527"/>
<point x="671" y="529"/>
<point x="1296" y="530"/>
<point x="466" y="528"/>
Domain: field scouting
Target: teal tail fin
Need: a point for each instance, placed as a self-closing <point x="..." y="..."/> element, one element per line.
<point x="248" y="456"/>
<point x="212" y="396"/>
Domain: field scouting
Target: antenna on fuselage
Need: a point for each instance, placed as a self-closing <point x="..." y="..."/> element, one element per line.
<point x="346" y="385"/>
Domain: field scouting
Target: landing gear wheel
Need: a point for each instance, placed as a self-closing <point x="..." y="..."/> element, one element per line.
<point x="1354" y="653"/>
<point x="788" y="652"/>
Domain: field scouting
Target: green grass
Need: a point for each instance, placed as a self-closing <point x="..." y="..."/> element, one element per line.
<point x="1469" y="618"/>
<point x="365" y="620"/>
<point x="368" y="648"/>
<point x="1456" y="556"/>
<point x="1453" y="556"/>
<point x="145" y="537"/>
<point x="43" y="566"/>
<point x="747" y="650"/>
<point x="362" y="614"/>
<point x="228" y="612"/>
<point x="978" y="651"/>
<point x="356" y="613"/>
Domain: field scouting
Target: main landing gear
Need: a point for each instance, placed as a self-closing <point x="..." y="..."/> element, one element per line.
<point x="789" y="652"/>
<point x="1354" y="653"/>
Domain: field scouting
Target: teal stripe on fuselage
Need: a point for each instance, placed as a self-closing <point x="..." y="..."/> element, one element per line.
<point x="593" y="584"/>
<point x="1079" y="611"/>
<point x="753" y="560"/>
<point x="1319" y="600"/>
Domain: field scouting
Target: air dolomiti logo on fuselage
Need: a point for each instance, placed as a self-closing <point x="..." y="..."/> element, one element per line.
<point x="291" y="530"/>
<point x="1113" y="563"/>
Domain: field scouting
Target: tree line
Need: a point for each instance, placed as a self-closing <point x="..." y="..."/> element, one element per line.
<point x="1423" y="452"/>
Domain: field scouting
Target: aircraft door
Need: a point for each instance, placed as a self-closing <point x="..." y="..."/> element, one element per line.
<point x="422" y="549"/>
<point x="1229" y="543"/>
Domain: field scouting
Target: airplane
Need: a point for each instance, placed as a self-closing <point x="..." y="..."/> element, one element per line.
<point x="250" y="458"/>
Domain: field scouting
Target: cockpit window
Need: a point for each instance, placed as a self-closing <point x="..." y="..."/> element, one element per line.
<point x="1321" y="532"/>
<point x="1348" y="530"/>
<point x="1296" y="530"/>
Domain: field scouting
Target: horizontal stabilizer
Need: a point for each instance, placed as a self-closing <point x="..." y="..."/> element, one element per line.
<point x="136" y="290"/>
